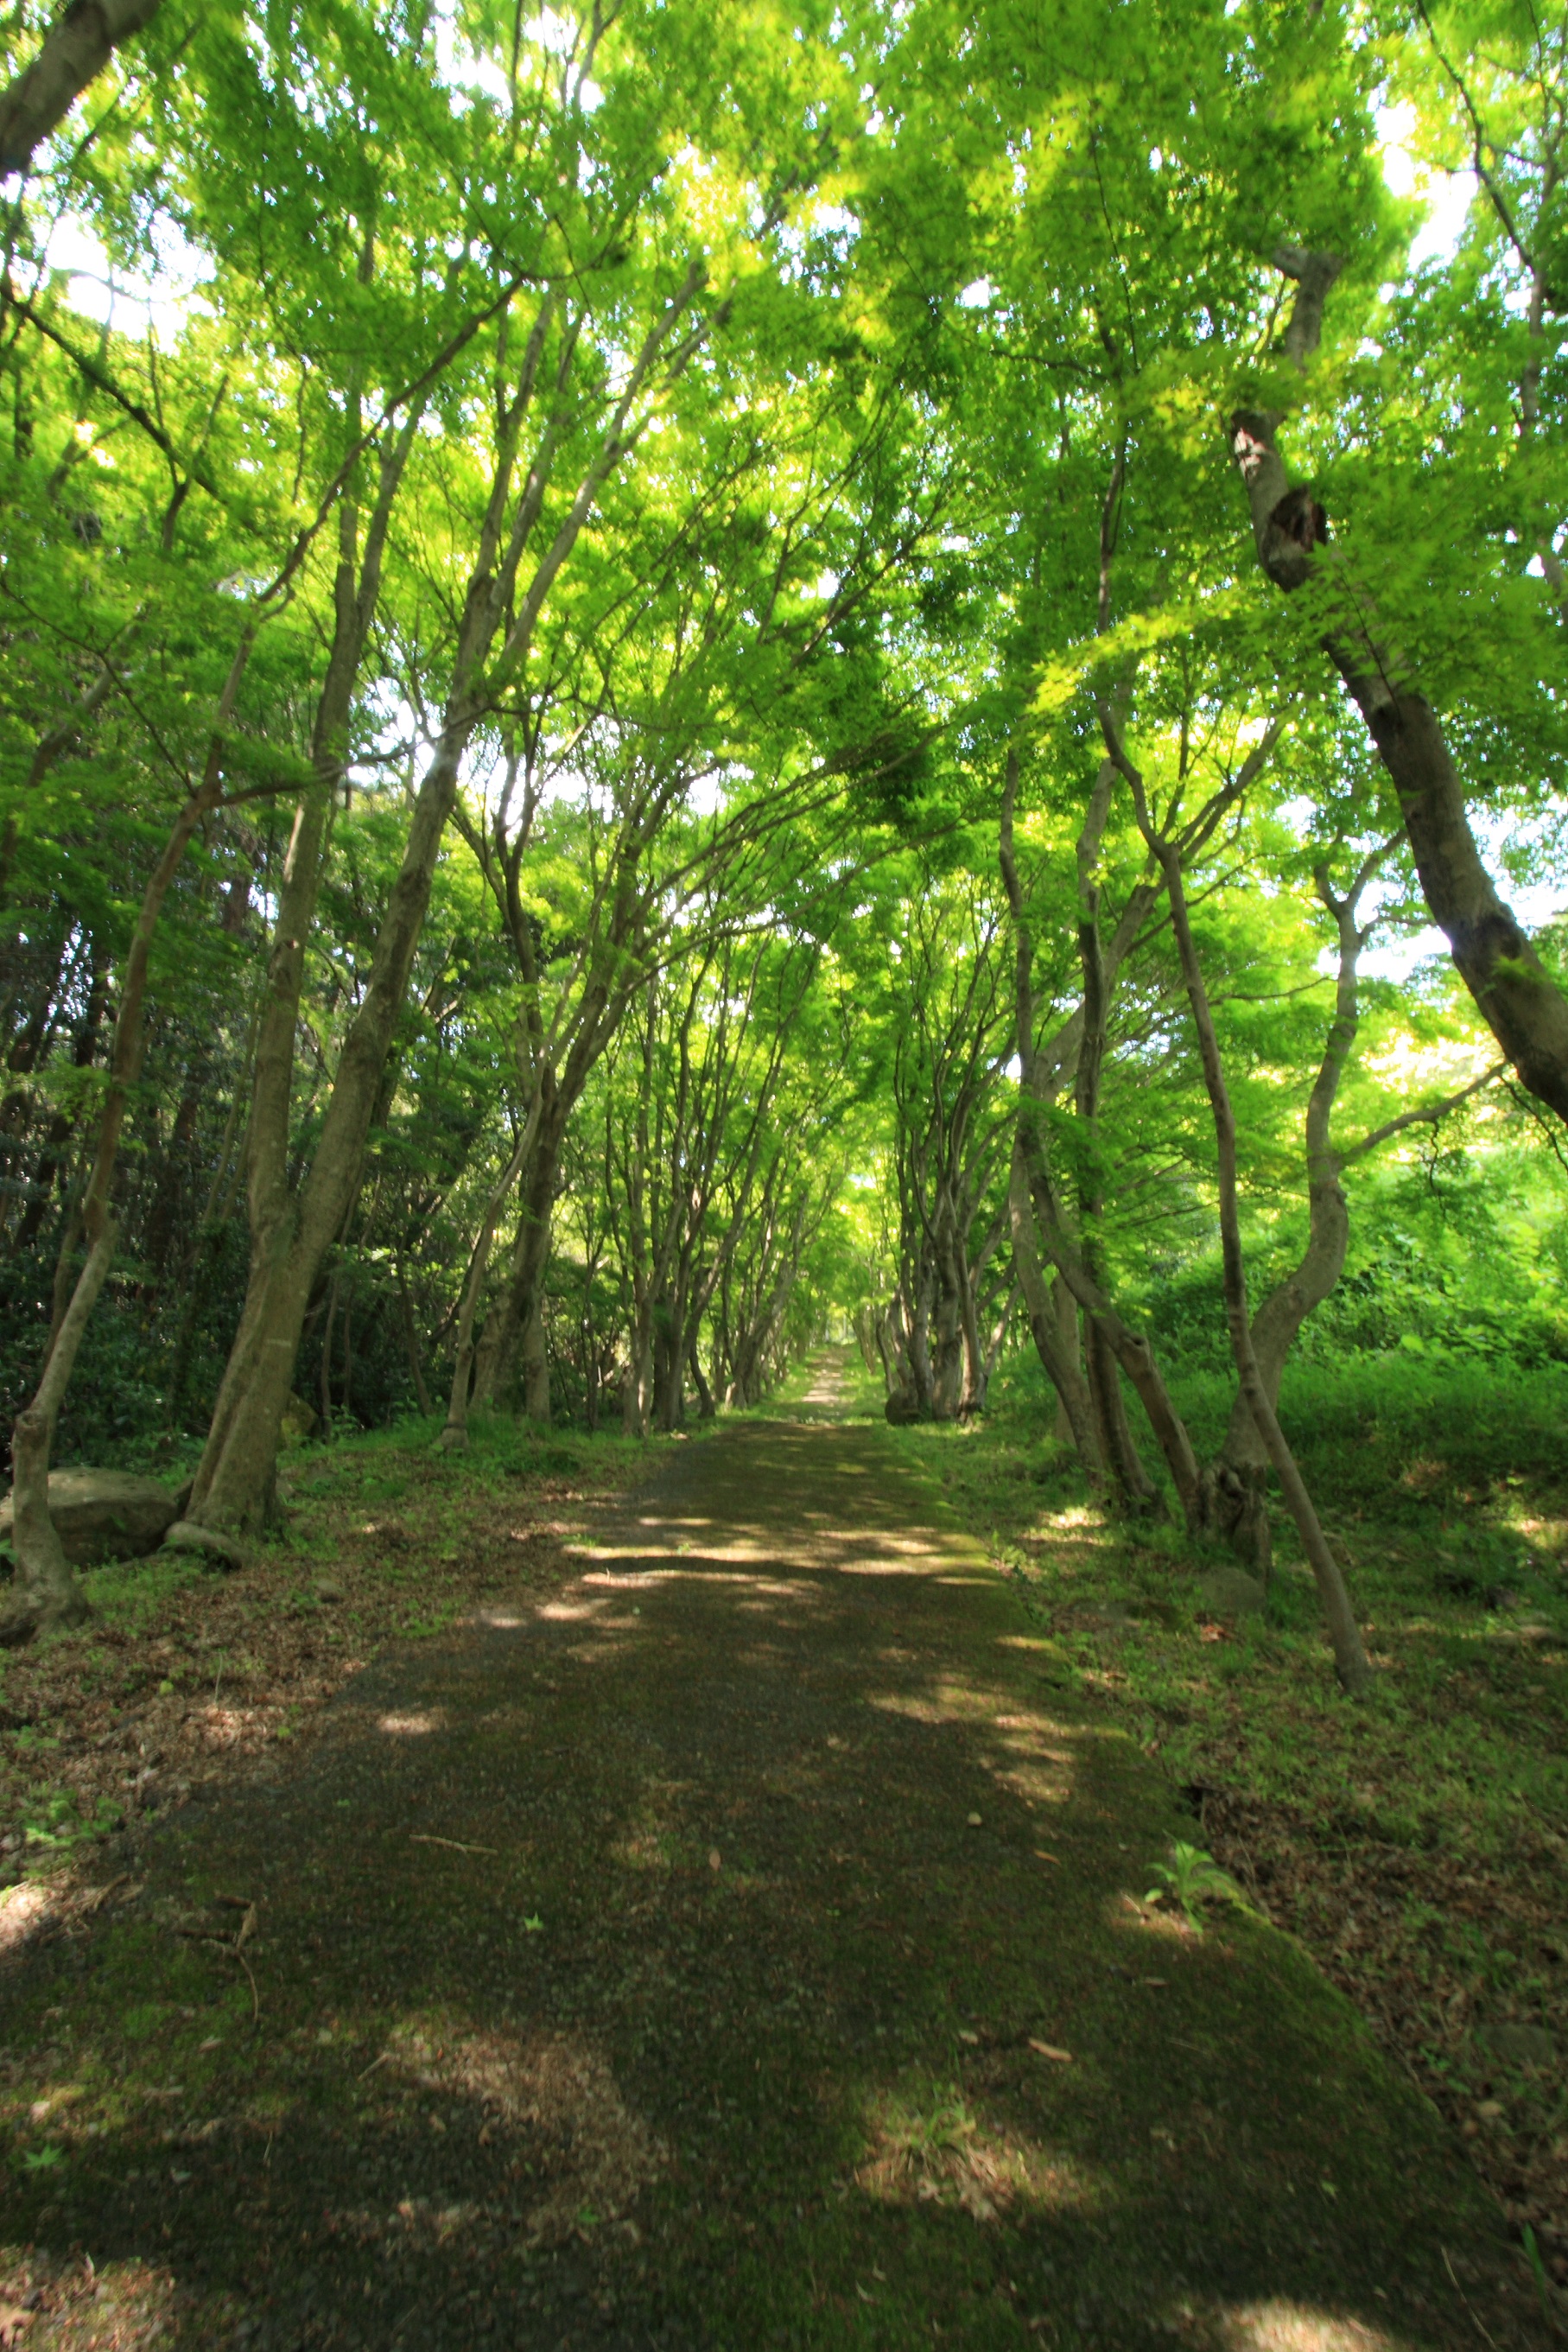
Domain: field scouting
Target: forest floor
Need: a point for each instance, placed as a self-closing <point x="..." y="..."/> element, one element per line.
<point x="731" y="1930"/>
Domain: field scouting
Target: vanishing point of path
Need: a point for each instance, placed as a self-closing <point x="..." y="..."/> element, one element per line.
<point x="739" y="1946"/>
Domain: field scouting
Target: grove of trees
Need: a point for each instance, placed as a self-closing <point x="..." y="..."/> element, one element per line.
<point x="673" y="673"/>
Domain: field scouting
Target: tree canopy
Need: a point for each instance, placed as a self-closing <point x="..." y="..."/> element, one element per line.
<point x="673" y="676"/>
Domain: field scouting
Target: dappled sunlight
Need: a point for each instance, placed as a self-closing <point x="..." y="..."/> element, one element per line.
<point x="568" y="1610"/>
<point x="933" y="2150"/>
<point x="86" y="2306"/>
<point x="815" y="1904"/>
<point x="1282" y="2326"/>
<point x="226" y="1726"/>
<point x="772" y="1588"/>
<point x="548" y="2104"/>
<point x="1134" y="1914"/>
<point x="23" y="1910"/>
<point x="1036" y="1760"/>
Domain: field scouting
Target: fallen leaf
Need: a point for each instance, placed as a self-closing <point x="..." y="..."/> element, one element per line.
<point x="974" y="1821"/>
<point x="13" y="2319"/>
<point x="1050" y="2050"/>
<point x="714" y="1862"/>
<point x="1041" y="1855"/>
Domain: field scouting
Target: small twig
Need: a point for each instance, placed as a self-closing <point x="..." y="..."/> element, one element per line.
<point x="423" y="1837"/>
<point x="373" y="2064"/>
<point x="1464" y="2298"/>
<point x="255" y="1996"/>
<point x="100" y="1895"/>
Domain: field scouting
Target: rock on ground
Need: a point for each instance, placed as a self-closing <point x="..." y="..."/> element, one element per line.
<point x="105" y="1515"/>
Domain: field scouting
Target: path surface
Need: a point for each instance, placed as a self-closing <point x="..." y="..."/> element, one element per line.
<point x="668" y="1963"/>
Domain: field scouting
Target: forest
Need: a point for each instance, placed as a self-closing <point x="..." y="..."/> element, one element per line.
<point x="688" y="684"/>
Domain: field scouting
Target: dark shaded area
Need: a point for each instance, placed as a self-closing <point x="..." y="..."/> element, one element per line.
<point x="722" y="2031"/>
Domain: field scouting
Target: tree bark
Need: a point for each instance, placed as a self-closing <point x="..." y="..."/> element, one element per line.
<point x="1061" y="1366"/>
<point x="75" y="50"/>
<point x="454" y="1435"/>
<point x="44" y="1592"/>
<point x="1514" y="993"/>
<point x="1350" y="1661"/>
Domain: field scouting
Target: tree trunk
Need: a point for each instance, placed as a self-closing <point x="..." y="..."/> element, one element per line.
<point x="1516" y="995"/>
<point x="75" y="51"/>
<point x="707" y="1409"/>
<point x="496" y="1361"/>
<point x="454" y="1435"/>
<point x="1350" y="1660"/>
<point x="1061" y="1366"/>
<point x="536" y="1363"/>
<point x="235" y="1477"/>
<point x="44" y="1592"/>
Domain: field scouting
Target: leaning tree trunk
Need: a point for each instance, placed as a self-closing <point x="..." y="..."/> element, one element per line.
<point x="1061" y="1363"/>
<point x="75" y="51"/>
<point x="234" y="1482"/>
<point x="1517" y="996"/>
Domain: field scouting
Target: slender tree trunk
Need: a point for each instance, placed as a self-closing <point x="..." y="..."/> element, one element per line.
<point x="536" y="1364"/>
<point x="234" y="1478"/>
<point x="1061" y="1363"/>
<point x="44" y="1592"/>
<point x="1350" y="1660"/>
<point x="456" y="1433"/>
<point x="707" y="1409"/>
<point x="509" y="1315"/>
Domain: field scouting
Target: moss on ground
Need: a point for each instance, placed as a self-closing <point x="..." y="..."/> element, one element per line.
<point x="743" y="1942"/>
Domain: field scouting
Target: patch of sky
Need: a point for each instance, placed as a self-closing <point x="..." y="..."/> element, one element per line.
<point x="131" y="303"/>
<point x="978" y="295"/>
<point x="1448" y="194"/>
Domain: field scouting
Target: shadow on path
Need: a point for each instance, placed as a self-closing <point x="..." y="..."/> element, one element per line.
<point x="739" y="1946"/>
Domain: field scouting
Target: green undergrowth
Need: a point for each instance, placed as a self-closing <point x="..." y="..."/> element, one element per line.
<point x="1446" y="1495"/>
<point x="382" y="1538"/>
<point x="1416" y="1838"/>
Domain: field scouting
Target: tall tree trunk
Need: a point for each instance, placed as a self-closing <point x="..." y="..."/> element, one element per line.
<point x="536" y="1364"/>
<point x="1350" y="1660"/>
<point x="1060" y="1363"/>
<point x="44" y="1592"/>
<point x="233" y="1481"/>
<point x="496" y="1361"/>
<point x="456" y="1433"/>
<point x="1516" y="995"/>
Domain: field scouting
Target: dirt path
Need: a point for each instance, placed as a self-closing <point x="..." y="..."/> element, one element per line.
<point x="738" y="1948"/>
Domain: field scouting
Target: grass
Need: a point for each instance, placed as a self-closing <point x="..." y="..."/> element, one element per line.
<point x="1415" y="1841"/>
<point x="890" y="2075"/>
<point x="178" y="1670"/>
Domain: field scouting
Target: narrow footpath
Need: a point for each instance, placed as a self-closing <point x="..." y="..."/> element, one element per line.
<point x="742" y="1946"/>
